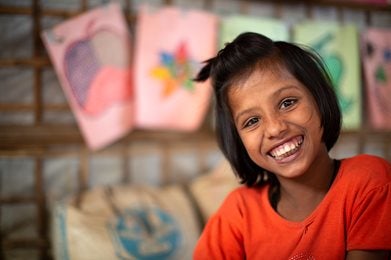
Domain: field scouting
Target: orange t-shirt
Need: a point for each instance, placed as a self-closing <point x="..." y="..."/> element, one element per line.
<point x="354" y="214"/>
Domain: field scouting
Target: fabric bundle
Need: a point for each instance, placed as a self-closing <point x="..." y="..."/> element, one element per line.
<point x="139" y="221"/>
<point x="126" y="222"/>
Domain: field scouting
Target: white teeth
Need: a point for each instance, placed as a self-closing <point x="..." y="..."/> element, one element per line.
<point x="287" y="148"/>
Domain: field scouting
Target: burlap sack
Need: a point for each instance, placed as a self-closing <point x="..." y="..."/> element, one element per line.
<point x="210" y="190"/>
<point x="126" y="222"/>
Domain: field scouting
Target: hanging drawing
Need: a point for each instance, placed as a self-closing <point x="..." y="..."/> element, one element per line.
<point x="169" y="50"/>
<point x="91" y="56"/>
<point x="233" y="25"/>
<point x="376" y="56"/>
<point x="339" y="48"/>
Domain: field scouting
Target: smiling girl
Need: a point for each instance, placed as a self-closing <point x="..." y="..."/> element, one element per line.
<point x="277" y="118"/>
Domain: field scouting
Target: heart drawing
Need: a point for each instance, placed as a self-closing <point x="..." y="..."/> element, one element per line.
<point x="97" y="69"/>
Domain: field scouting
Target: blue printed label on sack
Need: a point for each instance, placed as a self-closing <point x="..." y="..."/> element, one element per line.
<point x="146" y="234"/>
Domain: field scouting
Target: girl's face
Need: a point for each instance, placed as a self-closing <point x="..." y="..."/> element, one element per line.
<point x="278" y="122"/>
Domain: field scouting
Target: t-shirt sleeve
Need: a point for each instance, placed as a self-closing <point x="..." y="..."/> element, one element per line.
<point x="371" y="221"/>
<point x="222" y="237"/>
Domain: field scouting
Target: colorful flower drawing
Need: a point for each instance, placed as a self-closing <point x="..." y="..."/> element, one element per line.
<point x="175" y="70"/>
<point x="167" y="56"/>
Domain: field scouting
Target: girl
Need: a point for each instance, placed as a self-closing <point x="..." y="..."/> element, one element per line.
<point x="277" y="117"/>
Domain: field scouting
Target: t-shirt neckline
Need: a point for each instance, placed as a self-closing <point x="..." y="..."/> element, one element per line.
<point x="310" y="218"/>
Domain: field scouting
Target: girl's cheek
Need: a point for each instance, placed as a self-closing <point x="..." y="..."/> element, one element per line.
<point x="252" y="143"/>
<point x="309" y="114"/>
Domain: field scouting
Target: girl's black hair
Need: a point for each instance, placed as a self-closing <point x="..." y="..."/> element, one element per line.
<point x="236" y="61"/>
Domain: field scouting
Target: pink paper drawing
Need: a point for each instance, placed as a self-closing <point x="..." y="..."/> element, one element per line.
<point x="376" y="49"/>
<point x="170" y="46"/>
<point x="91" y="56"/>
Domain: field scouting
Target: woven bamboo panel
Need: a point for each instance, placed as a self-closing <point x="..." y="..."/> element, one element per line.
<point x="28" y="109"/>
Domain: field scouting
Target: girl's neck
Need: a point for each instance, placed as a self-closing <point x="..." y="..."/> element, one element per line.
<point x="299" y="197"/>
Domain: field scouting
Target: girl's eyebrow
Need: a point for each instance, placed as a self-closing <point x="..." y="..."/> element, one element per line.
<point x="242" y="113"/>
<point x="275" y="94"/>
<point x="288" y="87"/>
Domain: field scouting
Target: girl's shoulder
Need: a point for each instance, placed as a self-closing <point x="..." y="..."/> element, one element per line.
<point x="367" y="158"/>
<point x="371" y="170"/>
<point x="367" y="163"/>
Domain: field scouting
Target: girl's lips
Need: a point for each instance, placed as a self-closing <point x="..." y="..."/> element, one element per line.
<point x="286" y="149"/>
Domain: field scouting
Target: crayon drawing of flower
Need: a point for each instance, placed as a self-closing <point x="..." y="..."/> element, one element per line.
<point x="175" y="70"/>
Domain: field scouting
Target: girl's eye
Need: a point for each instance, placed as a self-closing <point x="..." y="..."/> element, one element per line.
<point x="288" y="103"/>
<point x="252" y="121"/>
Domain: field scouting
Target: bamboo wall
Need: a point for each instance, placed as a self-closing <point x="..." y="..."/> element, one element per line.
<point x="43" y="157"/>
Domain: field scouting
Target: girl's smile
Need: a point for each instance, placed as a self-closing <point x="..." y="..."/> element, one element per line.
<point x="278" y="122"/>
<point x="285" y="151"/>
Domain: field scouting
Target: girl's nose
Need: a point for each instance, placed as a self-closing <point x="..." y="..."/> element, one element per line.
<point x="275" y="127"/>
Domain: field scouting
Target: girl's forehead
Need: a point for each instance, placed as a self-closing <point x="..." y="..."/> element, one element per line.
<point x="271" y="82"/>
<point x="259" y="73"/>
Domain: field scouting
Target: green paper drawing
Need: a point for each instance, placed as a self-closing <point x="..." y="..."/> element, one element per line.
<point x="334" y="63"/>
<point x="232" y="26"/>
<point x="339" y="48"/>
